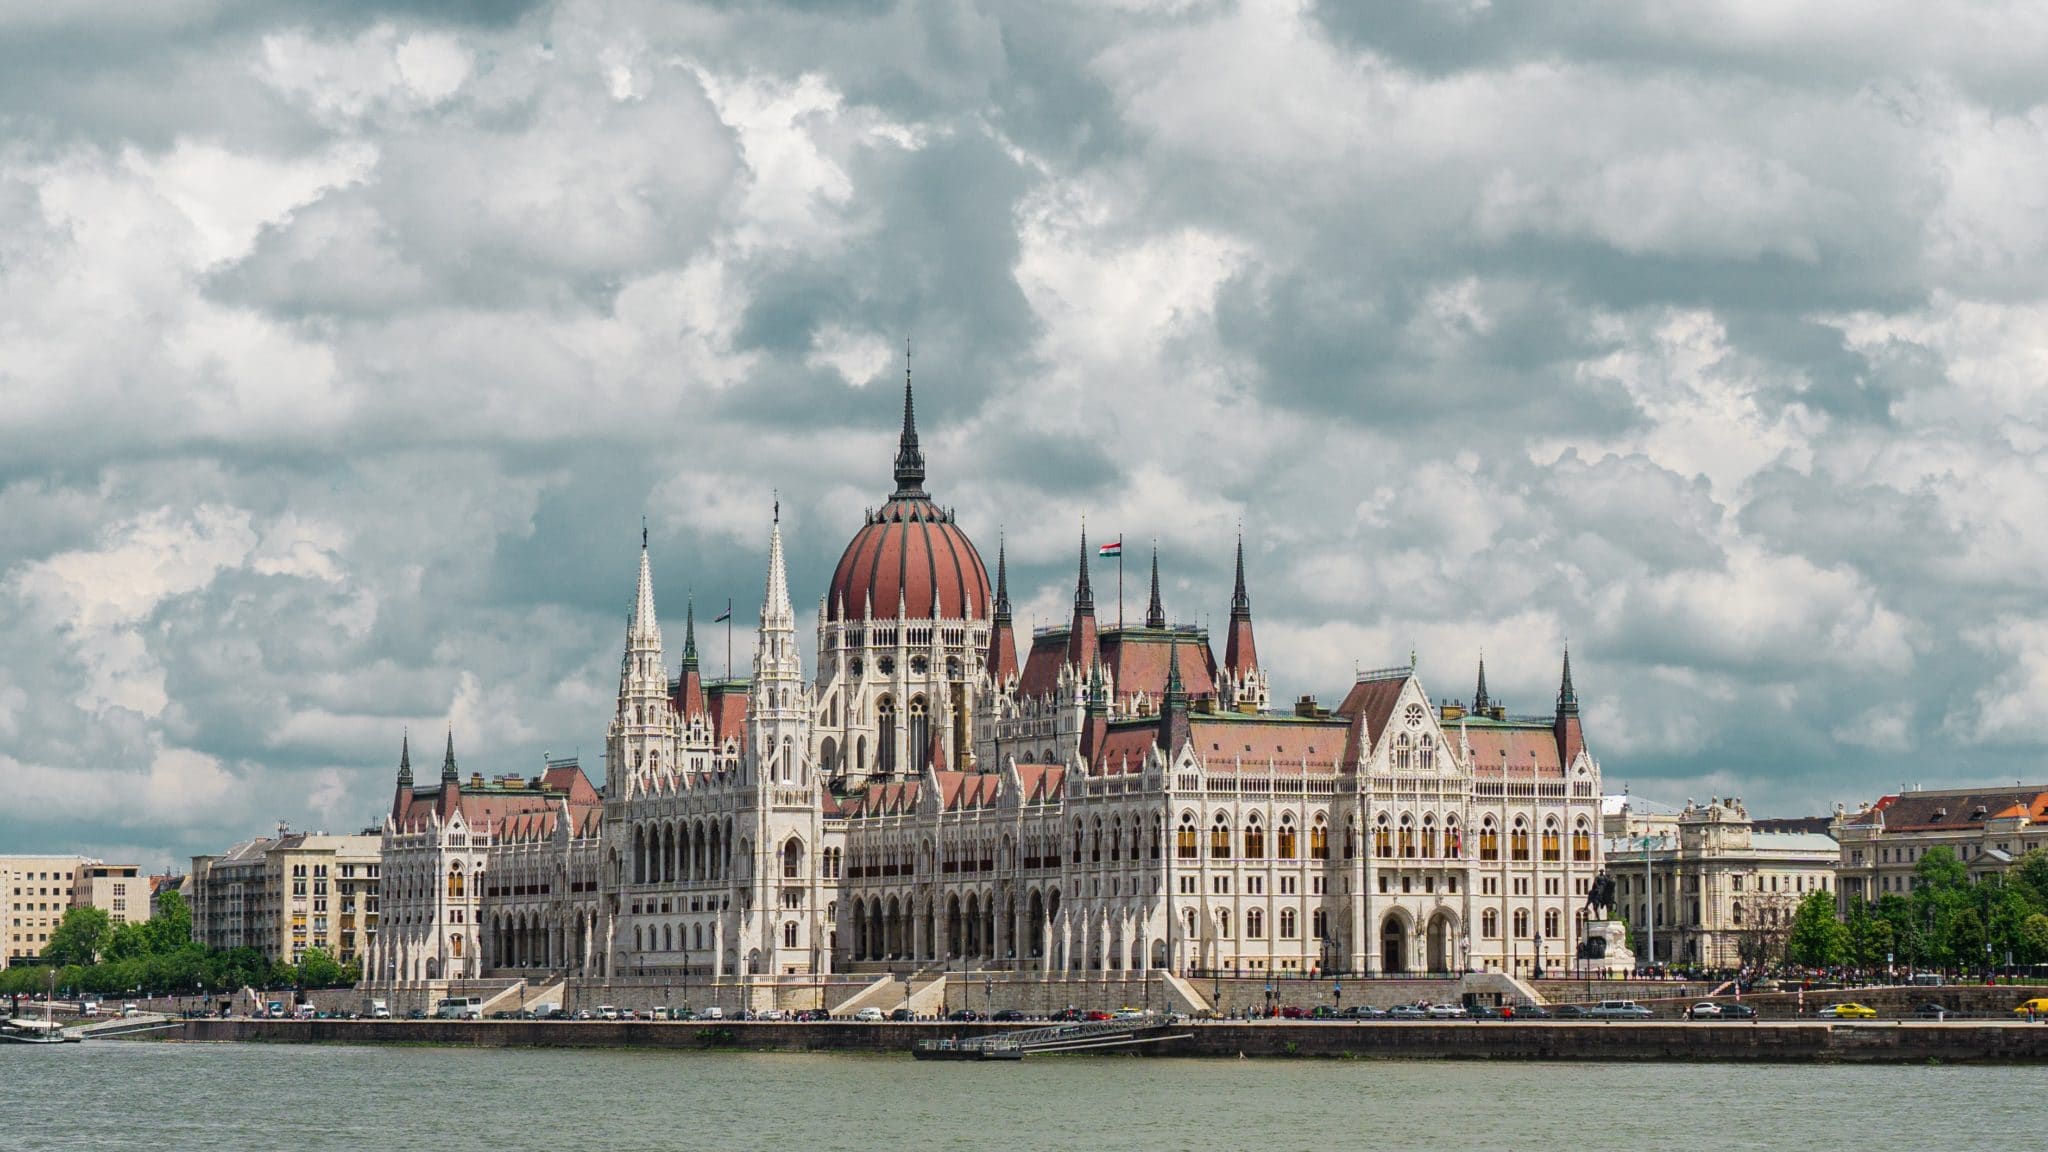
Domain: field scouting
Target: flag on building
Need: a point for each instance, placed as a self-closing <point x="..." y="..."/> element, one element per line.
<point x="722" y="617"/>
<point x="1112" y="549"/>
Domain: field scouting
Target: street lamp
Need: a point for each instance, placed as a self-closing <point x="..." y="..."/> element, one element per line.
<point x="1539" y="955"/>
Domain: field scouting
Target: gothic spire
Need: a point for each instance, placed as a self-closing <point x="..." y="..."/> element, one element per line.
<point x="775" y="610"/>
<point x="448" y="774"/>
<point x="645" y="630"/>
<point x="1002" y="581"/>
<point x="1176" y="689"/>
<point x="909" y="459"/>
<point x="1155" y="612"/>
<point x="1084" y="596"/>
<point x="1567" y="698"/>
<point x="1240" y="601"/>
<point x="690" y="634"/>
<point x="405" y="760"/>
<point x="1480" y="702"/>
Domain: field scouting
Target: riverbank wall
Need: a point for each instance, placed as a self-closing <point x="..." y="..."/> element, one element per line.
<point x="1876" y="1042"/>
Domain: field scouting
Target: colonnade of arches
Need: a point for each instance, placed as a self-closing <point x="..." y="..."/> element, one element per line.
<point x="672" y="851"/>
<point x="533" y="940"/>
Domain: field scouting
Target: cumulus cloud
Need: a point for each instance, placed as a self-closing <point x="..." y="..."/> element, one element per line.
<point x="345" y="347"/>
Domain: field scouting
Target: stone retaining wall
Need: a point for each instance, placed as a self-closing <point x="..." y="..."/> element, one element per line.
<point x="1805" y="1042"/>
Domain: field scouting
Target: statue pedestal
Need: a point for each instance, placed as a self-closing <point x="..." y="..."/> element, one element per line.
<point x="1605" y="949"/>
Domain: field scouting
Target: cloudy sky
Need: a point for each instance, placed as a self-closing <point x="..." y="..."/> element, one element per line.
<point x="344" y="345"/>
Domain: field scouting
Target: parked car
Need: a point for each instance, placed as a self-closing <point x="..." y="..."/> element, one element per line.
<point x="901" y="1015"/>
<point x="1095" y="1015"/>
<point x="1067" y="1015"/>
<point x="812" y="1015"/>
<point x="1446" y="1012"/>
<point x="1619" y="1010"/>
<point x="1008" y="1014"/>
<point x="2037" y="1007"/>
<point x="965" y="1015"/>
<point x="712" y="1013"/>
<point x="607" y="1012"/>
<point x="1704" y="1010"/>
<point x="869" y="1015"/>
<point x="1487" y="1012"/>
<point x="1364" y="1012"/>
<point x="1130" y="1014"/>
<point x="1737" y="1012"/>
<point x="1569" y="1012"/>
<point x="1293" y="1012"/>
<point x="1941" y="1012"/>
<point x="1848" y="1010"/>
<point x="771" y="1014"/>
<point x="1407" y="1012"/>
<point x="1529" y="1012"/>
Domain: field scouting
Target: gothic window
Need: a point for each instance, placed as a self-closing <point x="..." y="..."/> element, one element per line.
<point x="918" y="666"/>
<point x="1425" y="755"/>
<point x="1223" y="923"/>
<point x="1319" y="839"/>
<point x="1382" y="838"/>
<point x="1518" y="844"/>
<point x="1521" y="922"/>
<point x="1287" y="923"/>
<point x="1254" y="925"/>
<point x="920" y="734"/>
<point x="1184" y="845"/>
<point x="1401" y="752"/>
<point x="1254" y="839"/>
<point x="455" y="882"/>
<point x="1552" y="850"/>
<point x="1489" y="841"/>
<point x="1429" y="843"/>
<point x="1319" y="924"/>
<point x="1550" y="923"/>
<point x="1407" y="836"/>
<point x="1489" y="924"/>
<point x="1219" y="838"/>
<point x="1287" y="846"/>
<point x="885" y="753"/>
<point x="1582" y="842"/>
<point x="789" y="934"/>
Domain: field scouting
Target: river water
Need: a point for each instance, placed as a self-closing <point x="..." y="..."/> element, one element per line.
<point x="291" y="1098"/>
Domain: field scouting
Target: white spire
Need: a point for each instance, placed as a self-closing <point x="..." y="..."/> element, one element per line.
<point x="776" y="613"/>
<point x="644" y="631"/>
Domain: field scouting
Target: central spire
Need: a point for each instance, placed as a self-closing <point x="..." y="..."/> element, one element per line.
<point x="909" y="459"/>
<point x="1002" y="614"/>
<point x="1084" y="596"/>
<point x="405" y="760"/>
<point x="1155" y="612"/>
<point x="1480" y="701"/>
<point x="448" y="774"/>
<point x="775" y="610"/>
<point x="645" y="630"/>
<point x="690" y="633"/>
<point x="1240" y="600"/>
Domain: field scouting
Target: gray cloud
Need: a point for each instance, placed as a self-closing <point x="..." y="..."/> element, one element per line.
<point x="348" y="344"/>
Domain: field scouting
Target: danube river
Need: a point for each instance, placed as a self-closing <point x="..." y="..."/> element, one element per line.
<point x="301" y="1098"/>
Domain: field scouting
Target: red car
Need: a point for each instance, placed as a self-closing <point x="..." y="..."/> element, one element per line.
<point x="1096" y="1014"/>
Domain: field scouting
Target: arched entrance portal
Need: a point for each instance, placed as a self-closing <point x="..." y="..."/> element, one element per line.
<point x="1440" y="943"/>
<point x="1393" y="946"/>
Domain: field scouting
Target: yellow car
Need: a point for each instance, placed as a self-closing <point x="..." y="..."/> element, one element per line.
<point x="1849" y="1010"/>
<point x="2037" y="1007"/>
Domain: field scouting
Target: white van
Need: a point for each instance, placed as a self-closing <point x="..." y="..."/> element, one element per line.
<point x="379" y="1010"/>
<point x="714" y="1013"/>
<point x="607" y="1012"/>
<point x="869" y="1015"/>
<point x="461" y="1008"/>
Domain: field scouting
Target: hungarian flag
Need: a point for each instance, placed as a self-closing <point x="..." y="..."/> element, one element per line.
<point x="1112" y="549"/>
<point x="722" y="617"/>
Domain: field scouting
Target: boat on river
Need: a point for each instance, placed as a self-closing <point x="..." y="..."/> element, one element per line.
<point x="26" y="1031"/>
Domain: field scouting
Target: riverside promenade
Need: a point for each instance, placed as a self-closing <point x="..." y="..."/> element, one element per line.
<point x="1839" y="1042"/>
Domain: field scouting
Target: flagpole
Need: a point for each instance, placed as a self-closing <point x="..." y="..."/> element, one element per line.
<point x="728" y="639"/>
<point x="1119" y="581"/>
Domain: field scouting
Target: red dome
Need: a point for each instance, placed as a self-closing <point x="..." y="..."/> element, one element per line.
<point x="909" y="549"/>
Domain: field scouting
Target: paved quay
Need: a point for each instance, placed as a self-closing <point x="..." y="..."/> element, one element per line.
<point x="1889" y="1042"/>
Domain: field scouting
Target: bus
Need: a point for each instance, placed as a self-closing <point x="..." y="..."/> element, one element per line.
<point x="461" y="1008"/>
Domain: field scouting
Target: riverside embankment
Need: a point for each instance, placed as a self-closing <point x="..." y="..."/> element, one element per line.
<point x="1914" y="1042"/>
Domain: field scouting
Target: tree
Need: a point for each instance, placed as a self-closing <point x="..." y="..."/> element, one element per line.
<point x="2029" y="874"/>
<point x="80" y="938"/>
<point x="2033" y="939"/>
<point x="1817" y="939"/>
<point x="170" y="928"/>
<point x="1939" y="871"/>
<point x="1766" y="920"/>
<point x="317" y="969"/>
<point x="1870" y="938"/>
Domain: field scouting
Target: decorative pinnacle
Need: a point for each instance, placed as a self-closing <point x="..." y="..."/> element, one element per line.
<point x="1155" y="613"/>
<point x="1480" y="703"/>
<point x="1084" y="596"/>
<point x="1567" y="698"/>
<point x="909" y="459"/>
<point x="448" y="759"/>
<point x="1002" y="582"/>
<point x="1176" y="690"/>
<point x="404" y="759"/>
<point x="690" y="632"/>
<point x="1240" y="600"/>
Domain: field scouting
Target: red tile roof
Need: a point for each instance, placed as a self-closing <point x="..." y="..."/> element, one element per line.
<point x="1369" y="708"/>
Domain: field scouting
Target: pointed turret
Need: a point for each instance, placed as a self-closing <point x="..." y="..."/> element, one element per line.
<point x="1240" y="653"/>
<point x="775" y="610"/>
<point x="778" y="723"/>
<point x="1480" y="701"/>
<point x="402" y="799"/>
<point x="689" y="697"/>
<point x="643" y="630"/>
<point x="909" y="458"/>
<point x="1001" y="660"/>
<point x="1082" y="650"/>
<point x="1155" y="612"/>
<point x="1571" y="740"/>
<point x="1095" y="717"/>
<point x="1173" y="710"/>
<point x="448" y="773"/>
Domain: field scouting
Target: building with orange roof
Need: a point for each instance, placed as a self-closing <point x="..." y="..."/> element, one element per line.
<point x="1987" y="829"/>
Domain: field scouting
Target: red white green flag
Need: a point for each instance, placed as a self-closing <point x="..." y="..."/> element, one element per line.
<point x="1112" y="549"/>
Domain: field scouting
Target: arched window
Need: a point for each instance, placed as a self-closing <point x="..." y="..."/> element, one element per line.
<point x="1550" y="923"/>
<point x="1223" y="923"/>
<point x="1287" y="846"/>
<point x="885" y="749"/>
<point x="1254" y="842"/>
<point x="1319" y="839"/>
<point x="1219" y="839"/>
<point x="1383" y="838"/>
<point x="792" y="859"/>
<point x="1425" y="755"/>
<point x="1287" y="924"/>
<point x="1429" y="844"/>
<point x="1489" y="841"/>
<point x="1489" y="924"/>
<point x="789" y="934"/>
<point x="1095" y="843"/>
<point x="920" y="734"/>
<point x="1401" y="752"/>
<point x="455" y="886"/>
<point x="1254" y="925"/>
<point x="1407" y="836"/>
<point x="1518" y="845"/>
<point x="1184" y="839"/>
<point x="1553" y="849"/>
<point x="1454" y="839"/>
<point x="1521" y="922"/>
<point x="1582" y="842"/>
